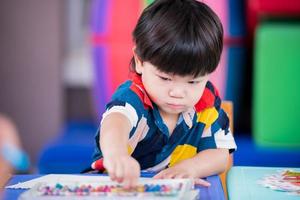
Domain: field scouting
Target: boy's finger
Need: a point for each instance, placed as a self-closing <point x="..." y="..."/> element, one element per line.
<point x="112" y="175"/>
<point x="201" y="182"/>
<point x="161" y="175"/>
<point x="128" y="183"/>
<point x="180" y="176"/>
<point x="132" y="179"/>
<point x="110" y="167"/>
<point x="119" y="179"/>
<point x="169" y="175"/>
<point x="119" y="172"/>
<point x="158" y="176"/>
<point x="133" y="182"/>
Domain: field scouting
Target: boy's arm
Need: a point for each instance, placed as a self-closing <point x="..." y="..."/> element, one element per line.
<point x="114" y="135"/>
<point x="209" y="162"/>
<point x="120" y="166"/>
<point x="205" y="163"/>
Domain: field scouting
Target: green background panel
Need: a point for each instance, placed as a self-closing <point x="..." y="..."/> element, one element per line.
<point x="276" y="116"/>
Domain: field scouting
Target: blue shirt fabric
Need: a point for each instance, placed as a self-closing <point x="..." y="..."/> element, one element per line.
<point x="206" y="126"/>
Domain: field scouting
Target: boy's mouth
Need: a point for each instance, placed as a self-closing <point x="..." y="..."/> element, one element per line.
<point x="175" y="106"/>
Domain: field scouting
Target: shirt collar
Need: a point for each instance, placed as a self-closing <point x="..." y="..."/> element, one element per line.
<point x="137" y="82"/>
<point x="188" y="117"/>
<point x="210" y="98"/>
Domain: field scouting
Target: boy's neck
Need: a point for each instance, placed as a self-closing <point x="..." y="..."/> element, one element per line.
<point x="170" y="120"/>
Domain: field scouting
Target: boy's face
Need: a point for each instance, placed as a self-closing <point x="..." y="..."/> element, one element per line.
<point x="172" y="94"/>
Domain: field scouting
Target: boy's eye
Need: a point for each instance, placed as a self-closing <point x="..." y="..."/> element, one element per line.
<point x="194" y="82"/>
<point x="164" y="78"/>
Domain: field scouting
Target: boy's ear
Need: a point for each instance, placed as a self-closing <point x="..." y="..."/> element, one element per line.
<point x="138" y="62"/>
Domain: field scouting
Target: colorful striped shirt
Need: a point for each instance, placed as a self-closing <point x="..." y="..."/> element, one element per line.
<point x="206" y="126"/>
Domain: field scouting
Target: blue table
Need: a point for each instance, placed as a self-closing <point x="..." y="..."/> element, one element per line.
<point x="242" y="184"/>
<point x="214" y="192"/>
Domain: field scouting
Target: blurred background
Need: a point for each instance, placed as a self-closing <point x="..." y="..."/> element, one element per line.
<point x="62" y="59"/>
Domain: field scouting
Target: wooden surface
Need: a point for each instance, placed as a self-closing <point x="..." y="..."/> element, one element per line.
<point x="227" y="106"/>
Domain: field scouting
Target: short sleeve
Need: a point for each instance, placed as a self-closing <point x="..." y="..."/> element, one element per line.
<point x="123" y="108"/>
<point x="222" y="134"/>
<point x="129" y="103"/>
<point x="216" y="133"/>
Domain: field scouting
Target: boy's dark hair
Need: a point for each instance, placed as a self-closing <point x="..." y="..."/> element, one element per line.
<point x="182" y="37"/>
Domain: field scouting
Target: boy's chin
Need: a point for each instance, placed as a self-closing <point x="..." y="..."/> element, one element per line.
<point x="173" y="111"/>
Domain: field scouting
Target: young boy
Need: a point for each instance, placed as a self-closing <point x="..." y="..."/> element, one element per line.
<point x="167" y="117"/>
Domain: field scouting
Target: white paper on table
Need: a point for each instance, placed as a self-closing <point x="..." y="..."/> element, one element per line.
<point x="186" y="191"/>
<point x="61" y="178"/>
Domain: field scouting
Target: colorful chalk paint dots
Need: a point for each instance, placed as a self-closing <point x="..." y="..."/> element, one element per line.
<point x="153" y="189"/>
<point x="109" y="190"/>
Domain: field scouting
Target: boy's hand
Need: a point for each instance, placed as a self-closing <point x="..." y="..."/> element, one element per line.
<point x="181" y="170"/>
<point x="123" y="169"/>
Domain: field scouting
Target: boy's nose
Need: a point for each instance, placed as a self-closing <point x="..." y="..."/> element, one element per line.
<point x="177" y="92"/>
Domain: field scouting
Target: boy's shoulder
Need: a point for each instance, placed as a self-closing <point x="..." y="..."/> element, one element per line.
<point x="210" y="98"/>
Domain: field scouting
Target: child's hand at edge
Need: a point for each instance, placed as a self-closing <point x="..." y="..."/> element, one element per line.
<point x="181" y="170"/>
<point x="123" y="169"/>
